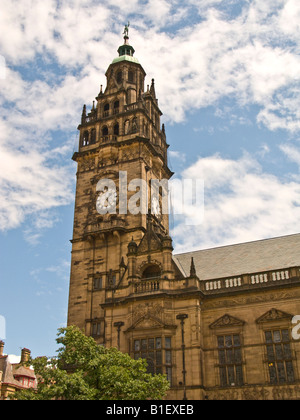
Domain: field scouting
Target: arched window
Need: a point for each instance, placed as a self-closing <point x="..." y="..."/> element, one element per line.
<point x="152" y="271"/>
<point x="119" y="77"/>
<point x="130" y="76"/>
<point x="116" y="129"/>
<point x="106" y="110"/>
<point x="116" y="107"/>
<point x="134" y="125"/>
<point x="126" y="127"/>
<point x="85" y="138"/>
<point x="93" y="136"/>
<point x="105" y="131"/>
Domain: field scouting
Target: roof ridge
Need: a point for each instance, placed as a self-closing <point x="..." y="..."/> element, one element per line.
<point x="237" y="244"/>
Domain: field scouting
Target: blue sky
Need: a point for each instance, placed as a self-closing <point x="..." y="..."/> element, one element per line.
<point x="227" y="80"/>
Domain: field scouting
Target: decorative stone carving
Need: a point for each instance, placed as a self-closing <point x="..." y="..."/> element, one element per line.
<point x="273" y="315"/>
<point x="147" y="310"/>
<point x="226" y="321"/>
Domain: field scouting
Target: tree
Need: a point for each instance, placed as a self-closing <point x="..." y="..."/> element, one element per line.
<point x="84" y="370"/>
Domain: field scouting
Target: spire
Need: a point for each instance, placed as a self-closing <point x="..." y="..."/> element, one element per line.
<point x="152" y="90"/>
<point x="193" y="268"/>
<point x="83" y="115"/>
<point x="122" y="263"/>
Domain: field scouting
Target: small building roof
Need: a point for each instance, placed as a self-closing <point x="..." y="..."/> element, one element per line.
<point x="11" y="371"/>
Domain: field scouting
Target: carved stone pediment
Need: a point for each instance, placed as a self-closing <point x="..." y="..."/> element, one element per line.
<point x="226" y="321"/>
<point x="149" y="322"/>
<point x="150" y="242"/>
<point x="273" y="315"/>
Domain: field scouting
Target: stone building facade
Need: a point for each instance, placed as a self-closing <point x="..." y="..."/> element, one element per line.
<point x="217" y="322"/>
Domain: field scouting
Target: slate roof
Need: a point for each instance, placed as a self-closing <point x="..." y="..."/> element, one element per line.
<point x="243" y="258"/>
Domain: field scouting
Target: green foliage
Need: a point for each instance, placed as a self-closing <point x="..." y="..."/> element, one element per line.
<point x="85" y="371"/>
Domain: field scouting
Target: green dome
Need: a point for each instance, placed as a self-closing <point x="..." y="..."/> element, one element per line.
<point x="125" y="58"/>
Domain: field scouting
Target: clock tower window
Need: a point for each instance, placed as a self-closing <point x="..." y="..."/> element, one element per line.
<point x="93" y="136"/>
<point x="116" y="107"/>
<point x="106" y="110"/>
<point x="116" y="129"/>
<point x="119" y="77"/>
<point x="130" y="76"/>
<point x="105" y="131"/>
<point x="85" y="138"/>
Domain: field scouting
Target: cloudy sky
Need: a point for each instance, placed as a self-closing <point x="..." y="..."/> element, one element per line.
<point x="227" y="79"/>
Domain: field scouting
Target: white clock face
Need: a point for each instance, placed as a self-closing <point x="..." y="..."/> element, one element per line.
<point x="155" y="206"/>
<point x="106" y="201"/>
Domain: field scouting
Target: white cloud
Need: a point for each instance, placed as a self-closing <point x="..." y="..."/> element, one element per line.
<point x="292" y="153"/>
<point x="241" y="203"/>
<point x="12" y="358"/>
<point x="250" y="55"/>
<point x="28" y="185"/>
<point x="202" y="62"/>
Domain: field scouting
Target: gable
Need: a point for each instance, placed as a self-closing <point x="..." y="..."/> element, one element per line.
<point x="226" y="321"/>
<point x="149" y="242"/>
<point x="149" y="322"/>
<point x="274" y="315"/>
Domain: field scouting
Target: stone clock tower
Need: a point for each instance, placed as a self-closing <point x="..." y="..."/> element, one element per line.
<point x="120" y="255"/>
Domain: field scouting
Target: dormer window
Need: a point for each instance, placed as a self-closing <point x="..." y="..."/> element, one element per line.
<point x="25" y="381"/>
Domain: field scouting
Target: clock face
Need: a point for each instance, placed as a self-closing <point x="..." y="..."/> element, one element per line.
<point x="106" y="201"/>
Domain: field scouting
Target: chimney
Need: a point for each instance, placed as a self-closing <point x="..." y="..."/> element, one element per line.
<point x="25" y="354"/>
<point x="1" y="348"/>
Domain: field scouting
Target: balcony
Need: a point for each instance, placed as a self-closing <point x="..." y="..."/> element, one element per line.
<point x="105" y="225"/>
<point x="108" y="139"/>
<point x="249" y="281"/>
<point x="148" y="285"/>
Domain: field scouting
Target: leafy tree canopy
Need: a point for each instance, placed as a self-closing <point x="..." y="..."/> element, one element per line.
<point x="84" y="370"/>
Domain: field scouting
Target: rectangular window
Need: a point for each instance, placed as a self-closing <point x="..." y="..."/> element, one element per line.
<point x="279" y="356"/>
<point x="97" y="329"/>
<point x="97" y="283"/>
<point x="157" y="352"/>
<point x="230" y="360"/>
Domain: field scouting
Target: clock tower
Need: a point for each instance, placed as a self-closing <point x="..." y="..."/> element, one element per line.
<point x="121" y="248"/>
